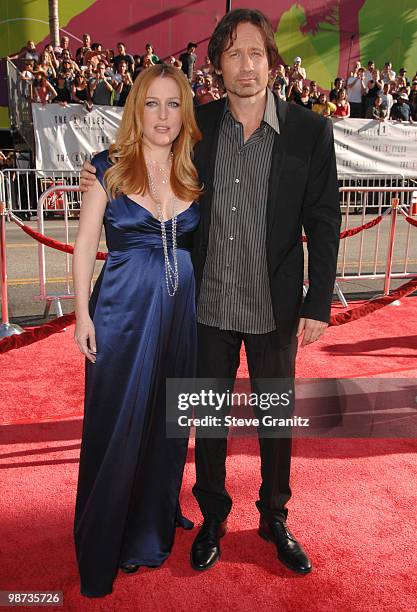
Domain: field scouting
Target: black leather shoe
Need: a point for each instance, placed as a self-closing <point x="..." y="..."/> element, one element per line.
<point x="129" y="568"/>
<point x="205" y="551"/>
<point x="290" y="552"/>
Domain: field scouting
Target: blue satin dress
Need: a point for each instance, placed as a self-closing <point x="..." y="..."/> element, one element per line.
<point x="130" y="473"/>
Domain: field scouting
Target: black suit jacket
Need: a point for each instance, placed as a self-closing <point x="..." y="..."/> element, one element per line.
<point x="303" y="192"/>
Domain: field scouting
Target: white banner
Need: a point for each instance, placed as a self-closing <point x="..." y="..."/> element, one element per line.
<point x="366" y="146"/>
<point x="67" y="135"/>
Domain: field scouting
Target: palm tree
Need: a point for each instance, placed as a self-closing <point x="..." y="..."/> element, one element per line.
<point x="54" y="22"/>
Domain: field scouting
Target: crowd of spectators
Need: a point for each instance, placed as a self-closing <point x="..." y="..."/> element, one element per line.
<point x="93" y="75"/>
<point x="96" y="76"/>
<point x="367" y="93"/>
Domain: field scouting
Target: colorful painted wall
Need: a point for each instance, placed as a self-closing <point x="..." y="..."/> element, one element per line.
<point x="327" y="34"/>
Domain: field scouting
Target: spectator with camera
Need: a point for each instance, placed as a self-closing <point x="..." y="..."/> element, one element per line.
<point x="355" y="90"/>
<point x="150" y="56"/>
<point x="371" y="73"/>
<point x="387" y="73"/>
<point x="297" y="72"/>
<point x="96" y="55"/>
<point x="122" y="84"/>
<point x="101" y="87"/>
<point x="81" y="51"/>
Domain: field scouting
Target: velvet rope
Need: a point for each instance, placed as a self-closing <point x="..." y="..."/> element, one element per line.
<point x="50" y="242"/>
<point x="411" y="221"/>
<point x="37" y="333"/>
<point x="356" y="230"/>
<point x="353" y="314"/>
<point x="43" y="331"/>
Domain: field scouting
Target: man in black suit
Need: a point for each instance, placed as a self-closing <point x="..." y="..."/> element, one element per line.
<point x="268" y="169"/>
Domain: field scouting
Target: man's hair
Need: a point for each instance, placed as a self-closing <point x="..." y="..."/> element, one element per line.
<point x="121" y="43"/>
<point x="191" y="44"/>
<point x="225" y="33"/>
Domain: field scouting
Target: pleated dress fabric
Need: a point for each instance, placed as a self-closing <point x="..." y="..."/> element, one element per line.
<point x="130" y="472"/>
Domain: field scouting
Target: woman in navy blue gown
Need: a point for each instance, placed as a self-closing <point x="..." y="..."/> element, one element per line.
<point x="137" y="329"/>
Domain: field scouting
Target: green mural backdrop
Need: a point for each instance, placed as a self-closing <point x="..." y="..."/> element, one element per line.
<point x="327" y="34"/>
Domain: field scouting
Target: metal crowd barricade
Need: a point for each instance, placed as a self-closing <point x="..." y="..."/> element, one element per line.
<point x="387" y="201"/>
<point x="379" y="200"/>
<point x="6" y="328"/>
<point x="23" y="188"/>
<point x="54" y="298"/>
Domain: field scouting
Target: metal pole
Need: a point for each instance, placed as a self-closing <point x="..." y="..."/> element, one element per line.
<point x="394" y="210"/>
<point x="6" y="328"/>
<point x="228" y="6"/>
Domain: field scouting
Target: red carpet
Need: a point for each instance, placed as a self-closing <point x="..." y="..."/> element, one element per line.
<point x="353" y="505"/>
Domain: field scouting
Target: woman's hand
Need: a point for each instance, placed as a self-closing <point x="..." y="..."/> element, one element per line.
<point x="85" y="338"/>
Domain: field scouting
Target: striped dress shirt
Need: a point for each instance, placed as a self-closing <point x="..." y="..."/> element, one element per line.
<point x="235" y="293"/>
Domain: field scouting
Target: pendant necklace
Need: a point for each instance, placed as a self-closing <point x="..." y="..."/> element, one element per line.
<point x="163" y="172"/>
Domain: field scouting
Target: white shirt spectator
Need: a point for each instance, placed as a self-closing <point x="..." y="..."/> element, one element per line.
<point x="387" y="101"/>
<point x="354" y="92"/>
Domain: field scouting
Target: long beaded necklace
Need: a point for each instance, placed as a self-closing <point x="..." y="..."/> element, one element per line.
<point x="171" y="270"/>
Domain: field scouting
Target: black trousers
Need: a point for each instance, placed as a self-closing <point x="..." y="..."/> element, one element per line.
<point x="218" y="357"/>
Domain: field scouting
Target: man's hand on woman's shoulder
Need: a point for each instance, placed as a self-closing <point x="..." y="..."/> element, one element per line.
<point x="87" y="176"/>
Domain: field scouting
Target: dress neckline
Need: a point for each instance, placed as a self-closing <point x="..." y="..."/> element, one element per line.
<point x="151" y="214"/>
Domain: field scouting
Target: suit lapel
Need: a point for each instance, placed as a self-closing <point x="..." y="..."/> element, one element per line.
<point x="206" y="161"/>
<point x="277" y="164"/>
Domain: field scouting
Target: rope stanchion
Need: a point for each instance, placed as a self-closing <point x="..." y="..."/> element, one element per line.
<point x="36" y="334"/>
<point x="356" y="230"/>
<point x="353" y="314"/>
<point x="43" y="331"/>
<point x="50" y="242"/>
